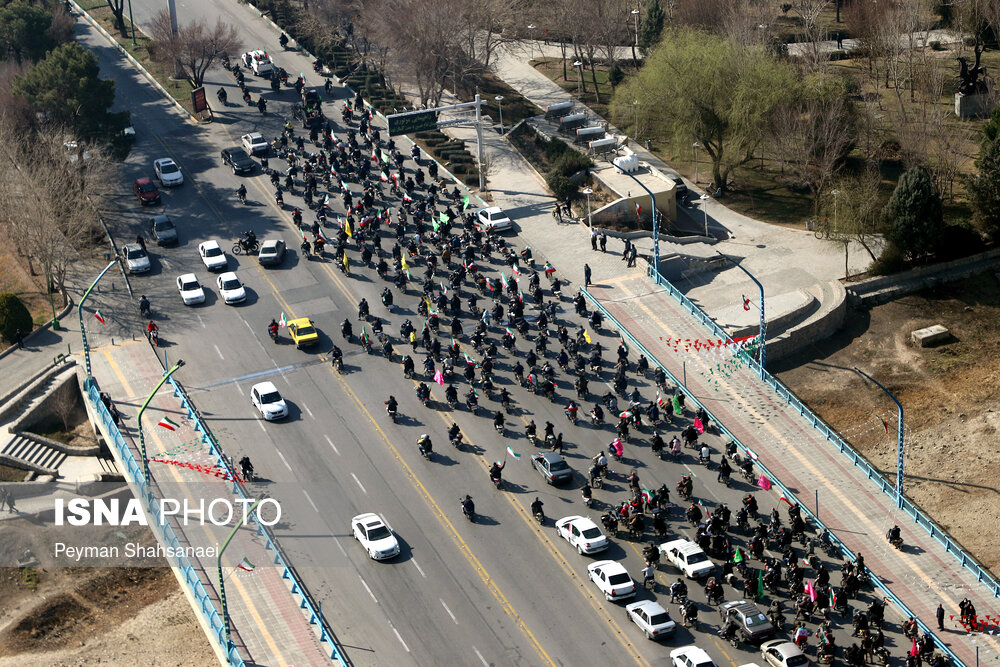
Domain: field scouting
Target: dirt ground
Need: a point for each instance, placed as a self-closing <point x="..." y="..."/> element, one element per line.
<point x="79" y="616"/>
<point x="950" y="394"/>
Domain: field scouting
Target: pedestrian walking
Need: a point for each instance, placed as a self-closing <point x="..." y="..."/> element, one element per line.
<point x="628" y="247"/>
<point x="593" y="238"/>
<point x="3" y="497"/>
<point x="604" y="241"/>
<point x="586" y="276"/>
<point x="19" y="339"/>
<point x="631" y="257"/>
<point x="10" y="503"/>
<point x="940" y="616"/>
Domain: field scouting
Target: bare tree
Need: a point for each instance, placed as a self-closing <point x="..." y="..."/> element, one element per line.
<point x="856" y="211"/>
<point x="64" y="402"/>
<point x="812" y="32"/>
<point x="118" y="9"/>
<point x="196" y="45"/>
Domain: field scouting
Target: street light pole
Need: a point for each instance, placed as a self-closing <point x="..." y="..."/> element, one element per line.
<point x="579" y="85"/>
<point x="499" y="99"/>
<point x="79" y="312"/>
<point x="635" y="15"/>
<point x="763" y="346"/>
<point x="899" y="437"/>
<point x="656" y="225"/>
<point x="590" y="219"/>
<point x="222" y="583"/>
<point x="696" y="146"/>
<point x="138" y="418"/>
<point x="531" y="51"/>
<point x="835" y="193"/>
<point x="704" y="208"/>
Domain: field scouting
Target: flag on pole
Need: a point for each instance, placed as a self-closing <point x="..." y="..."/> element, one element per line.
<point x="764" y="482"/>
<point x="586" y="336"/>
<point x="738" y="556"/>
<point x="646" y="495"/>
<point x="659" y="399"/>
<point x="469" y="360"/>
<point x="810" y="590"/>
<point x="513" y="453"/>
<point x="516" y="269"/>
<point x="439" y="378"/>
<point x="698" y="425"/>
<point x="246" y="565"/>
<point x="347" y="227"/>
<point x="384" y="177"/>
<point x="752" y="454"/>
<point x="760" y="583"/>
<point x="623" y="343"/>
<point x="403" y="264"/>
<point x="678" y="410"/>
<point x="168" y="424"/>
<point x="466" y="202"/>
<point x="282" y="321"/>
<point x="100" y="318"/>
<point x="785" y="499"/>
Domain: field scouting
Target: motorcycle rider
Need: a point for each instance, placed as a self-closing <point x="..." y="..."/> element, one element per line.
<point x="536" y="508"/>
<point x="272" y="329"/>
<point x="241" y="193"/>
<point x="246" y="467"/>
<point x="425" y="445"/>
<point x="408" y="368"/>
<point x="496" y="470"/>
<point x="571" y="411"/>
<point x="451" y="394"/>
<point x="391" y="406"/>
<point x="498" y="420"/>
<point x="363" y="309"/>
<point x="894" y="537"/>
<point x="336" y="355"/>
<point x="423" y="391"/>
<point x="678" y="590"/>
<point x="454" y="432"/>
<point x="152" y="330"/>
<point x="468" y="507"/>
<point x="143" y="306"/>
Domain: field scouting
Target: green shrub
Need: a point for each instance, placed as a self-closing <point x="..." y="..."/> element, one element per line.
<point x="13" y="316"/>
<point x="890" y="261"/>
<point x="561" y="186"/>
<point x="554" y="148"/>
<point x="458" y="169"/>
<point x="571" y="162"/>
<point x="472" y="180"/>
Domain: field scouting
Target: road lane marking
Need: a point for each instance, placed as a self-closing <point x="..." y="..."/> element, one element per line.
<point x="239" y="388"/>
<point x="218" y="351"/>
<point x="359" y="483"/>
<point x="202" y="322"/>
<point x="340" y="546"/>
<point x="419" y="569"/>
<point x="481" y="658"/>
<point x="365" y="584"/>
<point x="306" y="494"/>
<point x="306" y="408"/>
<point x="260" y="422"/>
<point x="282" y="456"/>
<point x="449" y="612"/>
<point x="332" y="445"/>
<point x="399" y="637"/>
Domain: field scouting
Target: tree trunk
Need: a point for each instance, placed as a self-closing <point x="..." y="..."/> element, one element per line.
<point x="593" y="73"/>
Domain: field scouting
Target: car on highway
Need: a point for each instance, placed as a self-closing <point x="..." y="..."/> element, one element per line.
<point x="254" y="143"/>
<point x="168" y="173"/>
<point x="230" y="287"/>
<point x="212" y="256"/>
<point x="750" y="622"/>
<point x="492" y="218"/>
<point x="552" y="467"/>
<point x="690" y="656"/>
<point x="238" y="160"/>
<point x="613" y="579"/>
<point x="372" y="532"/>
<point x="302" y="331"/>
<point x="687" y="557"/>
<point x="783" y="653"/>
<point x="265" y="397"/>
<point x="134" y="258"/>
<point x="190" y="289"/>
<point x="162" y="230"/>
<point x="271" y="253"/>
<point x="146" y="191"/>
<point x="651" y="618"/>
<point x="582" y="533"/>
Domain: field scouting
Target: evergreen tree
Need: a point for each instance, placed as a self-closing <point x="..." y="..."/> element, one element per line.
<point x="984" y="186"/>
<point x="914" y="215"/>
<point x="652" y="26"/>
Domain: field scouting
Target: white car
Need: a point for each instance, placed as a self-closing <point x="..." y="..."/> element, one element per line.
<point x="651" y="618"/>
<point x="231" y="288"/>
<point x="375" y="536"/>
<point x="687" y="557"/>
<point x="690" y="656"/>
<point x="582" y="533"/>
<point x="492" y="218"/>
<point x="190" y="289"/>
<point x="134" y="258"/>
<point x="613" y="579"/>
<point x="268" y="401"/>
<point x="254" y="143"/>
<point x="167" y="172"/>
<point x="212" y="255"/>
<point x="783" y="653"/>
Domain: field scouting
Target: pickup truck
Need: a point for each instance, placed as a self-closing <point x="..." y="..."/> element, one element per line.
<point x="687" y="557"/>
<point x="259" y="62"/>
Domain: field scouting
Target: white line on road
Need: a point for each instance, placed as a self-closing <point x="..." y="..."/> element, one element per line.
<point x="359" y="483"/>
<point x="399" y="637"/>
<point x="449" y="612"/>
<point x="260" y="422"/>
<point x="332" y="445"/>
<point x="306" y="408"/>
<point x="365" y="584"/>
<point x="419" y="569"/>
<point x="202" y="322"/>
<point x="239" y="388"/>
<point x="481" y="656"/>
<point x="340" y="546"/>
<point x="306" y="494"/>
<point x="283" y="458"/>
<point x="218" y="351"/>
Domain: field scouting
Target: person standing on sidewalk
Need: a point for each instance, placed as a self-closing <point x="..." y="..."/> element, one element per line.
<point x="940" y="616"/>
<point x="604" y="241"/>
<point x="586" y="276"/>
<point x="593" y="238"/>
<point x="628" y="247"/>
<point x="19" y="339"/>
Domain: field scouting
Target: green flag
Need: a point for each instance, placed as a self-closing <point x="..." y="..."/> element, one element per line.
<point x="435" y="224"/>
<point x="442" y="216"/>
<point x="738" y="556"/>
<point x="466" y="202"/>
<point x="678" y="410"/>
<point x="760" y="583"/>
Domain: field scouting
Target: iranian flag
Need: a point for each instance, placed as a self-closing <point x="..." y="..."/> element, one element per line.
<point x="100" y="318"/>
<point x="246" y="565"/>
<point x="384" y="177"/>
<point x="513" y="453"/>
<point x="168" y="424"/>
<point x="638" y="210"/>
<point x="282" y="321"/>
<point x="785" y="499"/>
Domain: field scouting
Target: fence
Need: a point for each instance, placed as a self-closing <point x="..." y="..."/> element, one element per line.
<point x="775" y="481"/>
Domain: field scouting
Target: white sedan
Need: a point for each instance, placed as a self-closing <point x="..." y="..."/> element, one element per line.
<point x="231" y="288"/>
<point x="190" y="289"/>
<point x="375" y="536"/>
<point x="613" y="579"/>
<point x="265" y="397"/>
<point x="254" y="143"/>
<point x="212" y="256"/>
<point x="782" y="653"/>
<point x="651" y="618"/>
<point x="492" y="218"/>
<point x="582" y="533"/>
<point x="167" y="171"/>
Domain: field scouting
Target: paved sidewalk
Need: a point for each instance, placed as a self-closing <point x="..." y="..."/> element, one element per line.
<point x="921" y="575"/>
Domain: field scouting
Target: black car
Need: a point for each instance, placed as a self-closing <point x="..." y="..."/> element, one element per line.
<point x="162" y="230"/>
<point x="238" y="159"/>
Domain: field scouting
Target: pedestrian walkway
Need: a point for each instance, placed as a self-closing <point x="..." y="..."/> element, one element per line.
<point x="921" y="575"/>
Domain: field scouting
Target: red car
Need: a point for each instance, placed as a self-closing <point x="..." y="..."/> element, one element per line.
<point x="145" y="191"/>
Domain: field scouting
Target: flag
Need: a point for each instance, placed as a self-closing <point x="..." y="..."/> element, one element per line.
<point x="439" y="378"/>
<point x="638" y="210"/>
<point x="623" y="343"/>
<point x="678" y="410"/>
<point x="760" y="583"/>
<point x="513" y="453"/>
<point x="246" y="565"/>
<point x="913" y="651"/>
<point x="785" y="499"/>
<point x="383" y="177"/>
<point x="516" y="269"/>
<point x="466" y="202"/>
<point x="810" y="591"/>
<point x="468" y="359"/>
<point x="885" y="425"/>
<point x="549" y="269"/>
<point x="443" y="217"/>
<point x="453" y="343"/>
<point x="698" y="425"/>
<point x="833" y="598"/>
<point x="435" y="224"/>
<point x="659" y="399"/>
<point x="738" y="556"/>
<point x="347" y="227"/>
<point x="282" y="321"/>
<point x="752" y="454"/>
<point x="646" y="495"/>
<point x="764" y="482"/>
<point x="364" y="335"/>
<point x="403" y="264"/>
<point x="168" y="424"/>
<point x="100" y="318"/>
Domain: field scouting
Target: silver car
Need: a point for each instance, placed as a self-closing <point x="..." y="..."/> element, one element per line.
<point x="134" y="258"/>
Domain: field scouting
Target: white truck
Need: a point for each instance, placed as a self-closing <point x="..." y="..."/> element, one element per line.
<point x="259" y="62"/>
<point x="687" y="557"/>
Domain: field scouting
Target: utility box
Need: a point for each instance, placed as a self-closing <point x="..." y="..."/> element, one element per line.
<point x="929" y="335"/>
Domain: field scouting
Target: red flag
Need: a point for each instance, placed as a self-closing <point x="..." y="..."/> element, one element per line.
<point x="764" y="482"/>
<point x="638" y="209"/>
<point x="785" y="499"/>
<point x="100" y="318"/>
<point x="746" y="303"/>
<point x="913" y="651"/>
<point x="885" y="425"/>
<point x="698" y="425"/>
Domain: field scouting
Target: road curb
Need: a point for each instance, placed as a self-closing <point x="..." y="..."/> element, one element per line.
<point x="61" y="315"/>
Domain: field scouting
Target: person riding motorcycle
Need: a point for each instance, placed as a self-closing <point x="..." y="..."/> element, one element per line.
<point x="498" y="420"/>
<point x="536" y="507"/>
<point x="335" y="355"/>
<point x="386" y="297"/>
<point x="241" y="193"/>
<point x="346" y="329"/>
<point x="152" y="329"/>
<point x="454" y="432"/>
<point x="496" y="471"/>
<point x="571" y="411"/>
<point x="678" y="589"/>
<point x="451" y="394"/>
<point x="597" y="415"/>
<point x="363" y="309"/>
<point x="143" y="306"/>
<point x="272" y="329"/>
<point x="471" y="399"/>
<point x="423" y="391"/>
<point x="424" y="444"/>
<point x="468" y="507"/>
<point x="246" y="467"/>
<point x="391" y="406"/>
<point x="894" y="537"/>
<point x="408" y="367"/>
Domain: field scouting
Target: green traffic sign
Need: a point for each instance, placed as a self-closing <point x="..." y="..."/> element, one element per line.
<point x="414" y="121"/>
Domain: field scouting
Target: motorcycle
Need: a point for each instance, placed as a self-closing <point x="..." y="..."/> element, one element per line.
<point x="338" y="363"/>
<point x="244" y="246"/>
<point x="154" y="337"/>
<point x="499" y="429"/>
<point x="497" y="482"/>
<point x="273" y="333"/>
<point x="424" y="451"/>
<point x="392" y="413"/>
<point x="456" y="442"/>
<point x="571" y="416"/>
<point x="469" y="514"/>
<point x="539" y="516"/>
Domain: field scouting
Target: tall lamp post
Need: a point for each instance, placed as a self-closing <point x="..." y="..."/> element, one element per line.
<point x="656" y="226"/>
<point x="835" y="193"/>
<point x="696" y="146"/>
<point x="531" y="29"/>
<point x="138" y="418"/>
<point x="763" y="347"/>
<point x="704" y="208"/>
<point x="579" y="86"/>
<point x="899" y="437"/>
<point x="635" y="15"/>
<point x="499" y="99"/>
<point x="222" y="581"/>
<point x="590" y="219"/>
<point x="79" y="312"/>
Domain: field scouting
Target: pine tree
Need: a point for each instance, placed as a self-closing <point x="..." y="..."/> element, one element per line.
<point x="914" y="215"/>
<point x="652" y="26"/>
<point x="984" y="186"/>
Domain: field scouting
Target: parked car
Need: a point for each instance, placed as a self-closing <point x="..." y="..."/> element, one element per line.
<point x="162" y="230"/>
<point x="238" y="159"/>
<point x="146" y="191"/>
<point x="168" y="173"/>
<point x="750" y="622"/>
<point x="271" y="253"/>
<point x="552" y="467"/>
<point x="134" y="258"/>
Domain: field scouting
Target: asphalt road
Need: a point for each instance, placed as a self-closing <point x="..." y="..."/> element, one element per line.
<point x="501" y="591"/>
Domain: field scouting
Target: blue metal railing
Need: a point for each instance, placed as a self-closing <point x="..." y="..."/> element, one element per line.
<point x="134" y="471"/>
<point x="919" y="518"/>
<point x="774" y="480"/>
